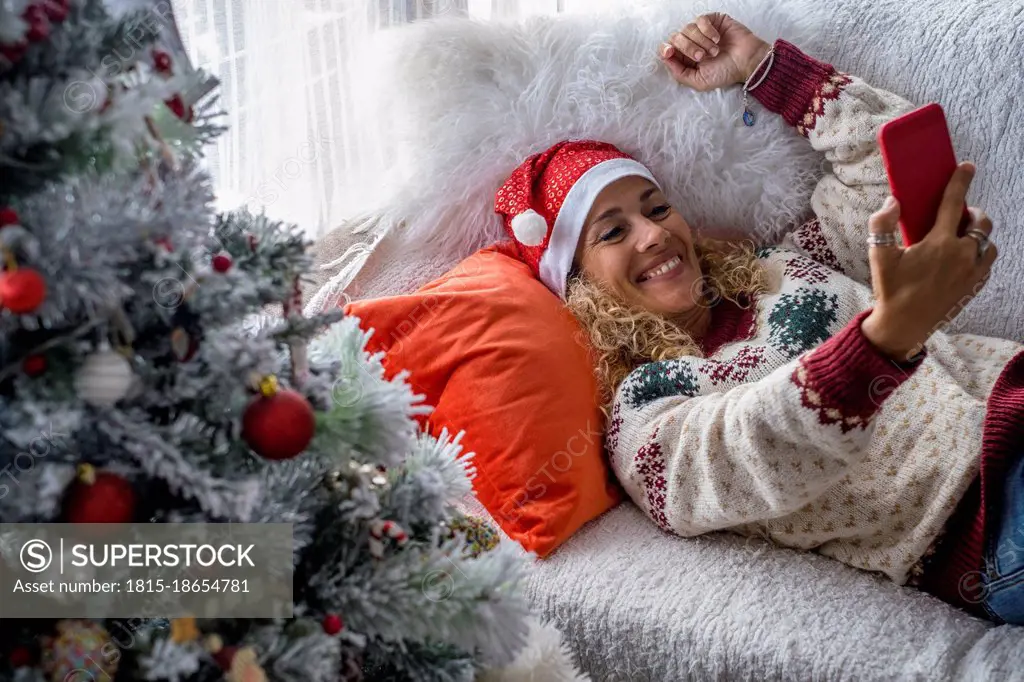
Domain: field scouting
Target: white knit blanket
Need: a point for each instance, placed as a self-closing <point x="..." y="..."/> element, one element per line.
<point x="639" y="605"/>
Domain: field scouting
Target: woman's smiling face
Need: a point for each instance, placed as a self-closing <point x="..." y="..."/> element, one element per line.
<point x="634" y="242"/>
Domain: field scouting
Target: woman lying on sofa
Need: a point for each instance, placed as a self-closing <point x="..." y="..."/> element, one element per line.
<point x="799" y="392"/>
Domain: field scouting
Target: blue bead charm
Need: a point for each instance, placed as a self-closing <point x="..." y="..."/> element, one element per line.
<point x="748" y="117"/>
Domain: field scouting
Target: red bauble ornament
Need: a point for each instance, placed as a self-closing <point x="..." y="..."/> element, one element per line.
<point x="222" y="262"/>
<point x="8" y="216"/>
<point x="38" y="23"/>
<point x="34" y="365"/>
<point x="22" y="290"/>
<point x="99" y="497"/>
<point x="224" y="656"/>
<point x="56" y="10"/>
<point x="177" y="105"/>
<point x="162" y="61"/>
<point x="332" y="624"/>
<point x="278" y="426"/>
<point x="14" y="52"/>
<point x="20" y="657"/>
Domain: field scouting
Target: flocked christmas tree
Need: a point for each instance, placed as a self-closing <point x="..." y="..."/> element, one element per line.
<point x="141" y="382"/>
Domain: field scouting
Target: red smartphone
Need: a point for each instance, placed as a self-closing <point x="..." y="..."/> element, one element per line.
<point x="918" y="155"/>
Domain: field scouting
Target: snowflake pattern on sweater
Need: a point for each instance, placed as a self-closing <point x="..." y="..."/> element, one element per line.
<point x="738" y="369"/>
<point x="802" y="432"/>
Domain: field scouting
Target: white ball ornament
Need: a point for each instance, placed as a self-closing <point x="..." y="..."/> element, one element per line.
<point x="104" y="378"/>
<point x="530" y="228"/>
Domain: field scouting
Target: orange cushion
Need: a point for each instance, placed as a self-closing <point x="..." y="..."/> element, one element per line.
<point x="499" y="357"/>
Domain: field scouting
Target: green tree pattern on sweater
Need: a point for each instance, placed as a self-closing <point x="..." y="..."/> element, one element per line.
<point x="658" y="380"/>
<point x="802" y="320"/>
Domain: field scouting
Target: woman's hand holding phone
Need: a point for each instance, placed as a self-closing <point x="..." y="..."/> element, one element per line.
<point x="920" y="287"/>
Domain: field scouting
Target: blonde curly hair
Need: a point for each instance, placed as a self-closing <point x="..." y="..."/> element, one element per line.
<point x="623" y="337"/>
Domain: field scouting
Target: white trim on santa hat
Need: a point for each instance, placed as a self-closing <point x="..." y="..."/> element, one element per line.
<point x="556" y="260"/>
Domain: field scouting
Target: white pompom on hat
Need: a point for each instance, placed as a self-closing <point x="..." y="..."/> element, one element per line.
<point x="529" y="228"/>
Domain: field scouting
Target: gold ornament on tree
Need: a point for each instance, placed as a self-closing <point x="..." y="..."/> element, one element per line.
<point x="184" y="630"/>
<point x="356" y="475"/>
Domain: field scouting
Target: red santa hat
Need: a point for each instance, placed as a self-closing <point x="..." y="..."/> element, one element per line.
<point x="545" y="202"/>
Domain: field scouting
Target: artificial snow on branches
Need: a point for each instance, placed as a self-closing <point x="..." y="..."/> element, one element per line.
<point x="368" y="415"/>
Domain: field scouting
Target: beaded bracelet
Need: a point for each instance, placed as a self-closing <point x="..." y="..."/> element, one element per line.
<point x="748" y="115"/>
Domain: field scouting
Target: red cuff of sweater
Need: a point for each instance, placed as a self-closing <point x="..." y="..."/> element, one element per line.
<point x="792" y="82"/>
<point x="846" y="379"/>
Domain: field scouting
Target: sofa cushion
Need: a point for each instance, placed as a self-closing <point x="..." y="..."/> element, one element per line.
<point x="498" y="356"/>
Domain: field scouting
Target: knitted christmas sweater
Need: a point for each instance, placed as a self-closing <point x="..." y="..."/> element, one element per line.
<point x="794" y="427"/>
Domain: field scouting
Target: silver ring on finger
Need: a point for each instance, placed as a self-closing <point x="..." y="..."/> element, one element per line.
<point x="982" y="239"/>
<point x="882" y="239"/>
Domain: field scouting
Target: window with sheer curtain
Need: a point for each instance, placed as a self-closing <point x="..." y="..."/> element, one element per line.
<point x="285" y="72"/>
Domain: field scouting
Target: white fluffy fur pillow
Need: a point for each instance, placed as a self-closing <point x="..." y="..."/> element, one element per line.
<point x="453" y="106"/>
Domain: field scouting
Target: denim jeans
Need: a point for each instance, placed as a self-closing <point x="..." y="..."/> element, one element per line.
<point x="1004" y="553"/>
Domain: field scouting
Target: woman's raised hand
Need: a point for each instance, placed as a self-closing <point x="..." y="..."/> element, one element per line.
<point x="923" y="286"/>
<point x="712" y="51"/>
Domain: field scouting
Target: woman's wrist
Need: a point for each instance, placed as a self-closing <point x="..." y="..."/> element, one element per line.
<point x="790" y="86"/>
<point x="878" y="332"/>
<point x="750" y="63"/>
